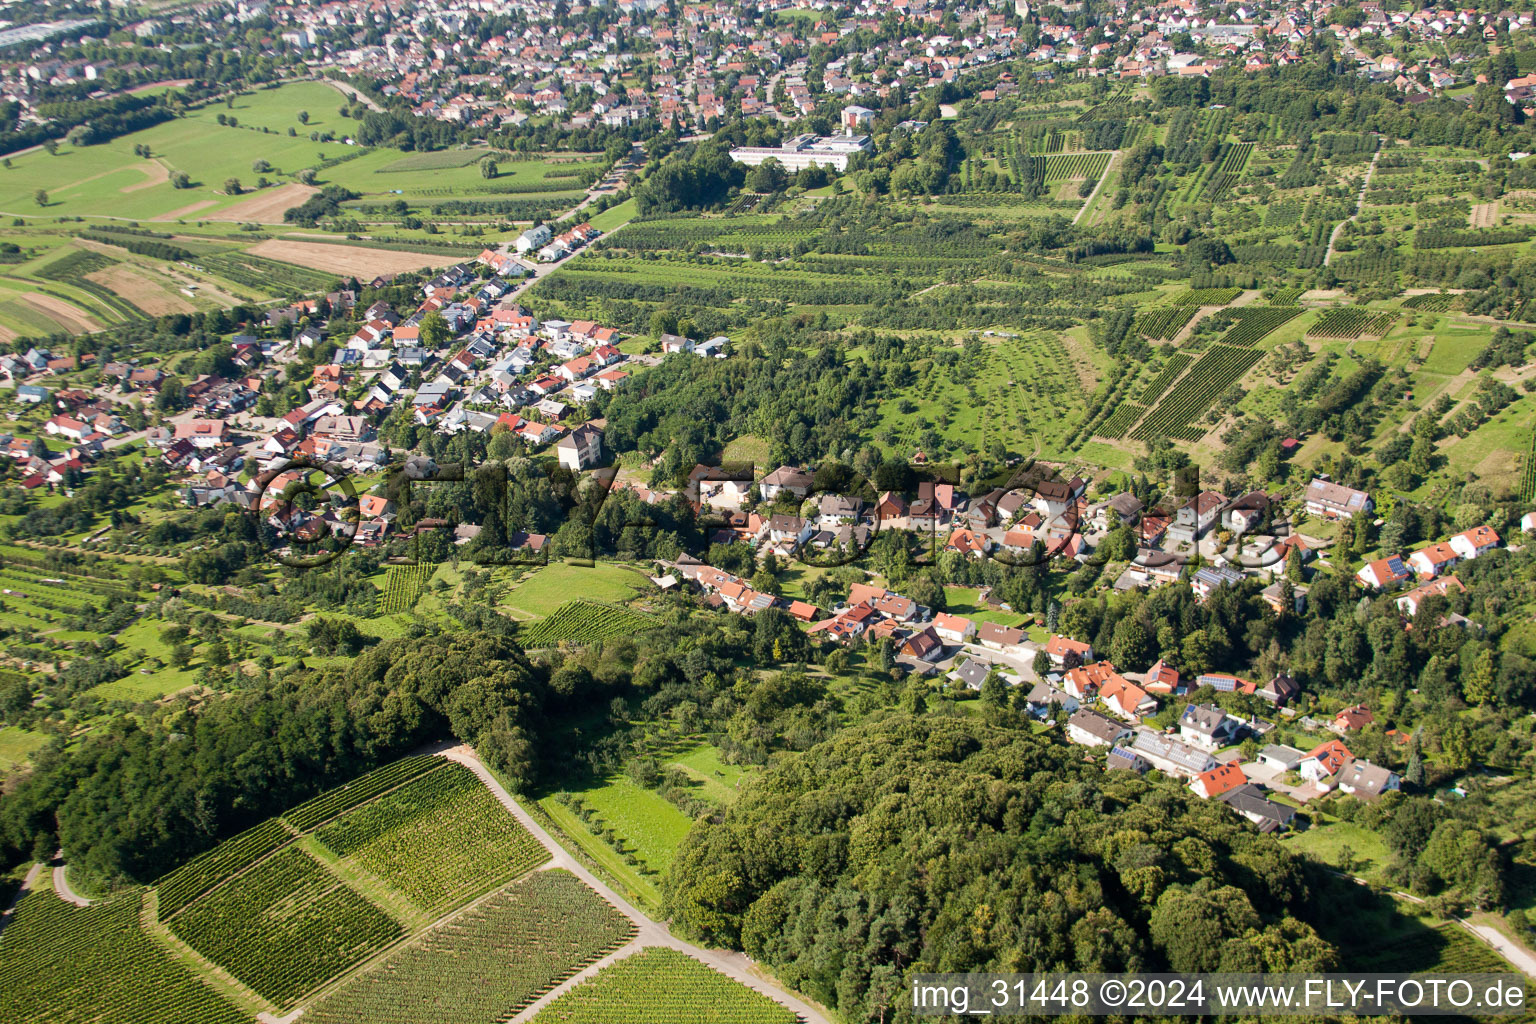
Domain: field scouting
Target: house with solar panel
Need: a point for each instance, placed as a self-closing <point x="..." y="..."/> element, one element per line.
<point x="1329" y="500"/>
<point x="1384" y="572"/>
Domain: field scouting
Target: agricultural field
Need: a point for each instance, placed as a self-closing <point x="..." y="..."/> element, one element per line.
<point x="545" y="590"/>
<point x="662" y="986"/>
<point x="199" y="875"/>
<point x="335" y="802"/>
<point x="403" y="587"/>
<point x="285" y="926"/>
<point x="1212" y="374"/>
<point x="62" y="964"/>
<point x="487" y="963"/>
<point x="440" y="840"/>
<point x="583" y="622"/>
<point x="261" y="139"/>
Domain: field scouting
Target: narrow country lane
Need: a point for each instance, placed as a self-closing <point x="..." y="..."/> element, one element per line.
<point x="649" y="933"/>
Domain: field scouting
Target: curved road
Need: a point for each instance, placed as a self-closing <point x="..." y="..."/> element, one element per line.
<point x="1359" y="205"/>
<point x="648" y="932"/>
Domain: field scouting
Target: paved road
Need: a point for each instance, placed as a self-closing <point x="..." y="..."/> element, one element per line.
<point x="1359" y="205"/>
<point x="61" y="886"/>
<point x="351" y="93"/>
<point x="648" y="932"/>
<point x="26" y="883"/>
<point x="1095" y="193"/>
<point x="1516" y="955"/>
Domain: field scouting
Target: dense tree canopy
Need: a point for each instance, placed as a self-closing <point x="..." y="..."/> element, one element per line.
<point x="947" y="844"/>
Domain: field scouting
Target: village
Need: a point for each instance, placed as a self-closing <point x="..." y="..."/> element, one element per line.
<point x="715" y="61"/>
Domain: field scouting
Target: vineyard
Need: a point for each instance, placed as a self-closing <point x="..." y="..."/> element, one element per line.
<point x="662" y="986"/>
<point x="1121" y="420"/>
<point x="1075" y="165"/>
<point x="1528" y="473"/>
<point x="1165" y="322"/>
<point x="1206" y="296"/>
<point x="1169" y="373"/>
<point x="403" y="587"/>
<point x="285" y="926"/>
<point x="202" y="873"/>
<point x="582" y="621"/>
<point x="329" y="804"/>
<point x="1230" y="169"/>
<point x="440" y="839"/>
<point x="1350" y="322"/>
<point x="1287" y="296"/>
<point x="1256" y="322"/>
<point x="1430" y="303"/>
<point x="1217" y="370"/>
<point x="62" y="964"/>
<point x="264" y="275"/>
<point x="489" y="962"/>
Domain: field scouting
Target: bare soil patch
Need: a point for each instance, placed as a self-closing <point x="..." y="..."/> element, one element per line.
<point x="73" y="319"/>
<point x="186" y="211"/>
<point x="268" y="205"/>
<point x="154" y="174"/>
<point x="140" y="290"/>
<point x="349" y="260"/>
<point x="1484" y="215"/>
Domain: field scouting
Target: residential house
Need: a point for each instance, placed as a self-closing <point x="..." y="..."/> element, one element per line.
<point x="1162" y="679"/>
<point x="1091" y="729"/>
<point x="1125" y="699"/>
<point x="953" y="629"/>
<point x="1001" y="638"/>
<point x="1172" y="757"/>
<point x="1384" y="572"/>
<point x="1352" y="719"/>
<point x="1062" y="649"/>
<point x="1410" y="600"/>
<point x="1208" y="727"/>
<point x="785" y="480"/>
<point x="1360" y="778"/>
<point x="1221" y="779"/>
<point x="1250" y="802"/>
<point x="581" y="449"/>
<point x="1324" y="760"/>
<point x="1432" y="560"/>
<point x="972" y="673"/>
<point x="923" y="645"/>
<point x="1125" y="759"/>
<point x="1280" y="690"/>
<point x="1477" y="541"/>
<point x="1335" y="501"/>
<point x="1206" y="580"/>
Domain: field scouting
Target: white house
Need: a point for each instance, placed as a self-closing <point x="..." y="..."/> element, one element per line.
<point x="581" y="449"/>
<point x="533" y="238"/>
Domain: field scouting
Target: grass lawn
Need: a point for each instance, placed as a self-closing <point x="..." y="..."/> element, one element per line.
<point x="966" y="601"/>
<point x="548" y="588"/>
<point x="615" y="216"/>
<point x="17" y="745"/>
<point x="1326" y="842"/>
<point x="721" y="782"/>
<point x="642" y="890"/>
<point x="654" y="827"/>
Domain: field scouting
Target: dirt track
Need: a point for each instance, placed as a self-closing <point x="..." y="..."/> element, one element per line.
<point x="154" y="174"/>
<point x="184" y="211"/>
<point x="266" y="206"/>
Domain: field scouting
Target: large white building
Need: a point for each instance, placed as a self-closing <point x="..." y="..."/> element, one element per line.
<point x="802" y="151"/>
<point x="533" y="238"/>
